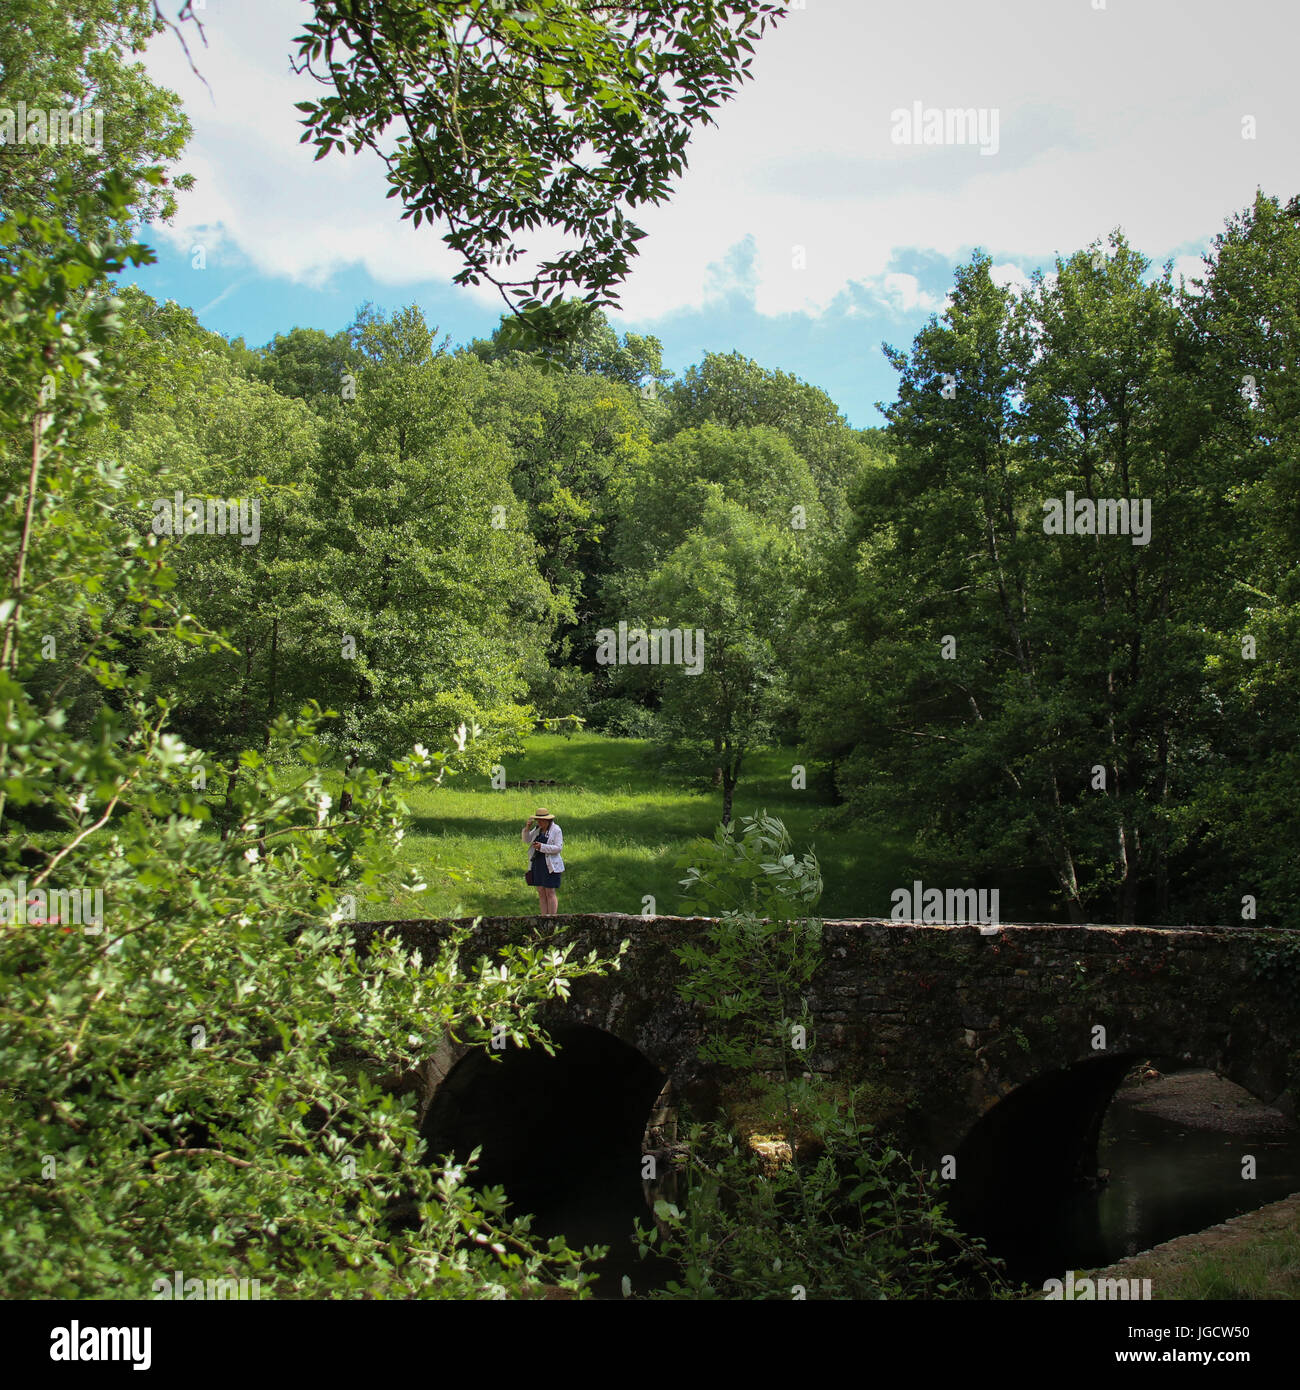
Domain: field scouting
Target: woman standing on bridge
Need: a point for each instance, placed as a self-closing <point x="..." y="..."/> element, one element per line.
<point x="545" y="867"/>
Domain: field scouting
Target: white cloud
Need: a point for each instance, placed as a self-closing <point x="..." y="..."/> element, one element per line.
<point x="1008" y="274"/>
<point x="904" y="293"/>
<point x="260" y="198"/>
<point x="1093" y="133"/>
<point x="1189" y="267"/>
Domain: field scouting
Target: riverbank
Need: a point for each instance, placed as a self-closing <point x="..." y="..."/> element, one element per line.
<point x="1255" y="1256"/>
<point x="1203" y="1100"/>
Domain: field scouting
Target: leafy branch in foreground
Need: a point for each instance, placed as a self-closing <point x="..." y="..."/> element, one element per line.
<point x="515" y="119"/>
<point x="196" y="1066"/>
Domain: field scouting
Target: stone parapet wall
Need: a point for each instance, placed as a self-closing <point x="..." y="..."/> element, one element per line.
<point x="954" y="1018"/>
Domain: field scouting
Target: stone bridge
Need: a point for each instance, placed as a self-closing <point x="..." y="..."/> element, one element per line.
<point x="1002" y="1044"/>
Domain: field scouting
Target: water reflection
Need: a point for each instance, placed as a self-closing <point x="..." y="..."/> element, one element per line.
<point x="1166" y="1179"/>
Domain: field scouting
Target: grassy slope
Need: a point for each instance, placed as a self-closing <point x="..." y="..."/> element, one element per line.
<point x="626" y="817"/>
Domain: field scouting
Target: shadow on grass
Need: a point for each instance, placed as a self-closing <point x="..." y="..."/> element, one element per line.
<point x="633" y="811"/>
<point x="622" y="764"/>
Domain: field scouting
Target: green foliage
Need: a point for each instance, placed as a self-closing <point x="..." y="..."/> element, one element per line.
<point x="858" y="1222"/>
<point x="736" y="393"/>
<point x="510" y="119"/>
<point x="575" y="438"/>
<point x="847" y="1216"/>
<point x="375" y="512"/>
<point x="751" y="873"/>
<point x="748" y="971"/>
<point x="731" y="579"/>
<point x="309" y="365"/>
<point x="184" y="1090"/>
<point x="755" y="467"/>
<point x="620" y="717"/>
<point x="1276" y="958"/>
<point x="190" y="1079"/>
<point x="594" y="348"/>
<point x="1246" y="327"/>
<point x="194" y="1060"/>
<point x="961" y="649"/>
<point x="195" y="423"/>
<point x="446" y="609"/>
<point x="714" y="536"/>
<point x="63" y="573"/>
<point x="76" y="57"/>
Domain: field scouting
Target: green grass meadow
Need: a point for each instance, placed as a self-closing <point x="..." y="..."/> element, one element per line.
<point x="627" y="812"/>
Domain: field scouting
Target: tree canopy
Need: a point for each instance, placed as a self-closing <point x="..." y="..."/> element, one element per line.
<point x="501" y="121"/>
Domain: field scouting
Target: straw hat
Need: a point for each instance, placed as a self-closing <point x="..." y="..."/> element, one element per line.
<point x="542" y="814"/>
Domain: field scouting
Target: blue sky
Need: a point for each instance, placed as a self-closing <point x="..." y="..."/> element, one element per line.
<point x="805" y="231"/>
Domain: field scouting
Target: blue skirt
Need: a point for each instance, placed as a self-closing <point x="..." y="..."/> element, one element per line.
<point x="542" y="876"/>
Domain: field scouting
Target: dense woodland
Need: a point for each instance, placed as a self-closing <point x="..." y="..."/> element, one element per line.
<point x="218" y="736"/>
<point x="1116" y="719"/>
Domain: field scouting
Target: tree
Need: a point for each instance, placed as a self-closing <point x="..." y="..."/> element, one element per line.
<point x="1245" y="337"/>
<point x="308" y="364"/>
<point x="733" y="578"/>
<point x="423" y="613"/>
<point x="376" y="581"/>
<point x="756" y="467"/>
<point x="195" y="1046"/>
<point x="574" y="439"/>
<point x="736" y="392"/>
<point x="595" y="348"/>
<point x="561" y="115"/>
<point x="1108" y="416"/>
<point x="1035" y="683"/>
<point x="73" y="58"/>
<point x="195" y="424"/>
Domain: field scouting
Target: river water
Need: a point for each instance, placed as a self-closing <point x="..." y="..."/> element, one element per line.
<point x="1167" y="1178"/>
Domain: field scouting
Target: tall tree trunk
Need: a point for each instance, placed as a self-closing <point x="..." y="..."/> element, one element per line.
<point x="345" y="800"/>
<point x="1015" y="616"/>
<point x="227" y="810"/>
<point x="271" y="692"/>
<point x="730" y="778"/>
<point x="1128" y="886"/>
<point x="245" y="709"/>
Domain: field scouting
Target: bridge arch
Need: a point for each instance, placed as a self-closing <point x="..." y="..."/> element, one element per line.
<point x="564" y="1134"/>
<point x="1034" y="1111"/>
<point x="1040" y="1092"/>
<point x="1039" y="1141"/>
<point x="1027" y="1174"/>
<point x="952" y="1020"/>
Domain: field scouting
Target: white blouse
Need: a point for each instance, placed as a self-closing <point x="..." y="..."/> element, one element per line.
<point x="551" y="849"/>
